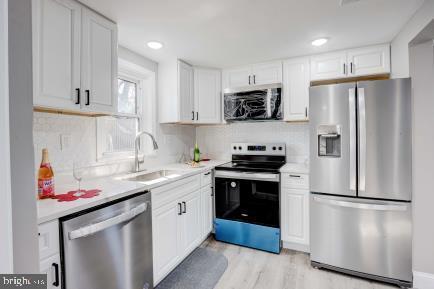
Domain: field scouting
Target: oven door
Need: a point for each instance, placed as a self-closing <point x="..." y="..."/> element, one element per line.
<point x="248" y="197"/>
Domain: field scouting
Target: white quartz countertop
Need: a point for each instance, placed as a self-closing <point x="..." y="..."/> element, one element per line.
<point x="299" y="168"/>
<point x="112" y="188"/>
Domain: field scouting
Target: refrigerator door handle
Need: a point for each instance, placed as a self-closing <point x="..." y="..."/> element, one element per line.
<point x="353" y="137"/>
<point x="362" y="139"/>
<point x="362" y="206"/>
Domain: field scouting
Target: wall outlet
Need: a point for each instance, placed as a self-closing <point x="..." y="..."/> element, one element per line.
<point x="65" y="142"/>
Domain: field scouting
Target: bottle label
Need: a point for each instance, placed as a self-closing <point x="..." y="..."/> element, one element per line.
<point x="45" y="188"/>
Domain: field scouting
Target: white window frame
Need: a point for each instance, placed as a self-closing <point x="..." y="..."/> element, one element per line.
<point x="145" y="108"/>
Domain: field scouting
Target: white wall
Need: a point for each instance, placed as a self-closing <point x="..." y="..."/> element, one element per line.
<point x="399" y="45"/>
<point x="214" y="141"/>
<point x="173" y="140"/>
<point x="6" y="260"/>
<point x="24" y="224"/>
<point x="422" y="73"/>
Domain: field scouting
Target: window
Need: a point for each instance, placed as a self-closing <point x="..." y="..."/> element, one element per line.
<point x="127" y="96"/>
<point x="135" y="112"/>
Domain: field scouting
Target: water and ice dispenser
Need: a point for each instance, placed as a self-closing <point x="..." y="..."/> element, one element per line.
<point x="329" y="141"/>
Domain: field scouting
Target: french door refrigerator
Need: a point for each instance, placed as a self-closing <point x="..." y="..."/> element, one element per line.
<point x="360" y="179"/>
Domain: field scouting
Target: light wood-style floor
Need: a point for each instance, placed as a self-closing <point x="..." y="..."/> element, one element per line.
<point x="254" y="269"/>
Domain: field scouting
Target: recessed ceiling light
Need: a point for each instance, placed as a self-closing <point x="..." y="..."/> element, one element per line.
<point x="155" y="44"/>
<point x="319" y="41"/>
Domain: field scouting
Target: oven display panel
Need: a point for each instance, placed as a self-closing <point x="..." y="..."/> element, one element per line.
<point x="257" y="148"/>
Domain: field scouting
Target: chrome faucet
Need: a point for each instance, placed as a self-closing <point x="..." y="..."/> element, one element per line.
<point x="136" y="148"/>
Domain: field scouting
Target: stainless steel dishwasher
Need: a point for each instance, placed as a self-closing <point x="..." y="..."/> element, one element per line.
<point x="110" y="246"/>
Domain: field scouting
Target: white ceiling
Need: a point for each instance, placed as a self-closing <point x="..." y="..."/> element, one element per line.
<point x="224" y="33"/>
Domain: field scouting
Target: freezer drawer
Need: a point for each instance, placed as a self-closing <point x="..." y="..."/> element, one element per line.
<point x="365" y="236"/>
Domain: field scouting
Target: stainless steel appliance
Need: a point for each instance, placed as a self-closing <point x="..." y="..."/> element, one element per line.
<point x="360" y="179"/>
<point x="253" y="103"/>
<point x="109" y="246"/>
<point x="247" y="196"/>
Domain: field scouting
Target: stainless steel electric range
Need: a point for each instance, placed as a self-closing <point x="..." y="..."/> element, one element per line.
<point x="247" y="194"/>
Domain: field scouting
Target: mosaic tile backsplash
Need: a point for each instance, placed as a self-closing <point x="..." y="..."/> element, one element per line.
<point x="214" y="141"/>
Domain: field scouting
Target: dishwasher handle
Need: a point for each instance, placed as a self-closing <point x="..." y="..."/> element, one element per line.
<point x="97" y="227"/>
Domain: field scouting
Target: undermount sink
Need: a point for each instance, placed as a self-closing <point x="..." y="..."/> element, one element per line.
<point x="154" y="176"/>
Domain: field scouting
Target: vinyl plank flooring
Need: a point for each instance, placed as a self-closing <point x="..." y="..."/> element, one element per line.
<point x="254" y="269"/>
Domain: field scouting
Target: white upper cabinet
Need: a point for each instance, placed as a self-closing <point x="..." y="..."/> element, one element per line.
<point x="266" y="73"/>
<point x="369" y="60"/>
<point x="256" y="74"/>
<point x="328" y="66"/>
<point x="56" y="53"/>
<point x="296" y="82"/>
<point x="207" y="95"/>
<point x="74" y="57"/>
<point x="99" y="63"/>
<point x="186" y="92"/>
<point x="363" y="61"/>
<point x="237" y="77"/>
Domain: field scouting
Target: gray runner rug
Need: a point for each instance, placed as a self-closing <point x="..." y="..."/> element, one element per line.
<point x="202" y="269"/>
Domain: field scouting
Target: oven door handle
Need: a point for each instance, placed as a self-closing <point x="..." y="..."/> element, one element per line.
<point x="267" y="177"/>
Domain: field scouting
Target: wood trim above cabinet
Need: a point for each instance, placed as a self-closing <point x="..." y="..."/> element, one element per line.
<point x="350" y="79"/>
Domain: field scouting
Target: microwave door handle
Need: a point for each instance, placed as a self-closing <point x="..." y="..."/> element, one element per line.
<point x="353" y="139"/>
<point x="97" y="227"/>
<point x="362" y="139"/>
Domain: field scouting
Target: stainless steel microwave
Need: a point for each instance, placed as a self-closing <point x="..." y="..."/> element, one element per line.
<point x="253" y="103"/>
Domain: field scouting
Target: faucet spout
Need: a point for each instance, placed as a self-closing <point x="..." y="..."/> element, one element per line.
<point x="136" y="148"/>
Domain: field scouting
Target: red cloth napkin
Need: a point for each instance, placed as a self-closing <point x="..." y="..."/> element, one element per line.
<point x="75" y="195"/>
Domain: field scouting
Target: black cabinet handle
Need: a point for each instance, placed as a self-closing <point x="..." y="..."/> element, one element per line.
<point x="206" y="174"/>
<point x="351" y="67"/>
<point x="78" y="96"/>
<point x="87" y="97"/>
<point x="249" y="79"/>
<point x="345" y="69"/>
<point x="294" y="176"/>
<point x="192" y="115"/>
<point x="254" y="79"/>
<point x="185" y="207"/>
<point x="197" y="115"/>
<point x="56" y="282"/>
<point x="305" y="111"/>
<point x="180" y="209"/>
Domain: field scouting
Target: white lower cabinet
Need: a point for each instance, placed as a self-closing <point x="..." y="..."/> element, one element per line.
<point x="49" y="253"/>
<point x="207" y="214"/>
<point x="166" y="235"/>
<point x="181" y="220"/>
<point x="51" y="267"/>
<point x="295" y="212"/>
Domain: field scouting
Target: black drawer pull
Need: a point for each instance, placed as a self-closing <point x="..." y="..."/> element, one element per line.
<point x="56" y="282"/>
<point x="78" y="95"/>
<point x="180" y="209"/>
<point x="207" y="174"/>
<point x="87" y="97"/>
<point x="294" y="176"/>
<point x="185" y="207"/>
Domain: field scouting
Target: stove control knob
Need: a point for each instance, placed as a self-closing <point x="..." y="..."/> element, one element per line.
<point x="274" y="148"/>
<point x="235" y="148"/>
<point x="240" y="148"/>
<point x="280" y="148"/>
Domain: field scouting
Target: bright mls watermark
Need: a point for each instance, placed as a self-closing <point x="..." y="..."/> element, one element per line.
<point x="28" y="281"/>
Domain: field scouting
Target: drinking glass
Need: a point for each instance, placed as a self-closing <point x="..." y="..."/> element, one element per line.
<point x="78" y="172"/>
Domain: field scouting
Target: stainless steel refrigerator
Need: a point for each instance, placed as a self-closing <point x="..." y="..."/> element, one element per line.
<point x="360" y="179"/>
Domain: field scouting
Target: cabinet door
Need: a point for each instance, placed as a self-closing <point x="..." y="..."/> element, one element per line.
<point x="51" y="267"/>
<point x="237" y="77"/>
<point x="99" y="63"/>
<point x="56" y="53"/>
<point x="166" y="237"/>
<point x="296" y="82"/>
<point x="369" y="60"/>
<point x="206" y="199"/>
<point x="207" y="95"/>
<point x="267" y="73"/>
<point x="295" y="216"/>
<point x="328" y="66"/>
<point x="185" y="92"/>
<point x="191" y="223"/>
